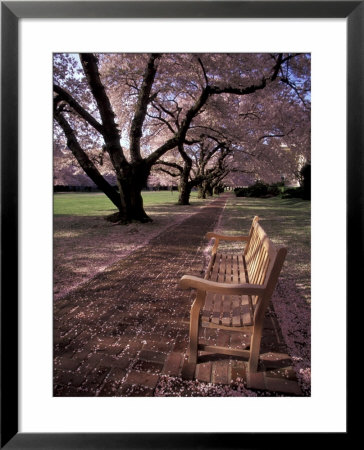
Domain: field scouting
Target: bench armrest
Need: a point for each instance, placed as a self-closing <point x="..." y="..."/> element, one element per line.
<point x="190" y="281"/>
<point x="222" y="237"/>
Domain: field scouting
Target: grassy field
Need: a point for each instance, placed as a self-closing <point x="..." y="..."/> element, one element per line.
<point x="84" y="243"/>
<point x="286" y="221"/>
<point x="97" y="204"/>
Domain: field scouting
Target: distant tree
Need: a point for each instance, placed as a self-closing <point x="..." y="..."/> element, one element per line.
<point x="305" y="181"/>
<point x="201" y="165"/>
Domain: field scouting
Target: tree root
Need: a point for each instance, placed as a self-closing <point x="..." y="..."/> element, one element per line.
<point x="118" y="219"/>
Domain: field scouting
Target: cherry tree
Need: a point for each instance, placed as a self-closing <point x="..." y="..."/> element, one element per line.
<point x="200" y="164"/>
<point x="268" y="133"/>
<point x="271" y="137"/>
<point x="134" y="109"/>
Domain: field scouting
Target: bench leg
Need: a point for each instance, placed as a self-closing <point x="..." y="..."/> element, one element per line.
<point x="255" y="349"/>
<point x="194" y="326"/>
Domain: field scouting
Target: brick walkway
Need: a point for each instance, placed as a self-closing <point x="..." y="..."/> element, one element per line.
<point x="118" y="333"/>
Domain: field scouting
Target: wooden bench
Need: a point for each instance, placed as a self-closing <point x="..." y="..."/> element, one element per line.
<point x="235" y="292"/>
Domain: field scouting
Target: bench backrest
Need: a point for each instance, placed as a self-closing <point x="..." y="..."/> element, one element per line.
<point x="263" y="260"/>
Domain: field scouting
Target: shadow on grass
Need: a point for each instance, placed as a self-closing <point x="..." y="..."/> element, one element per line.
<point x="86" y="244"/>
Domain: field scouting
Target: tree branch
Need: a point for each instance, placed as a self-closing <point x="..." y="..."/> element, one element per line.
<point x="183" y="153"/>
<point x="141" y="108"/>
<point x="160" y="118"/>
<point x="200" y="102"/>
<point x="204" y="71"/>
<point x="294" y="87"/>
<point x="87" y="165"/>
<point x="89" y="64"/>
<point x="153" y="157"/>
<point x="111" y="133"/>
<point x="253" y="87"/>
<point x="67" y="97"/>
<point x="249" y="114"/>
<point x="275" y="135"/>
<point x="170" y="164"/>
<point x="160" y="169"/>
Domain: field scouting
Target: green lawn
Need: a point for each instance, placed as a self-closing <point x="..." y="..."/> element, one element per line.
<point x="282" y="218"/>
<point x="97" y="204"/>
<point x="286" y="221"/>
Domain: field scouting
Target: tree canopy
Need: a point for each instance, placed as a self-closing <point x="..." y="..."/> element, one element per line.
<point x="197" y="118"/>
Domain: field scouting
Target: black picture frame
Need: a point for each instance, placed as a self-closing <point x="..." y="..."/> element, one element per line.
<point x="11" y="12"/>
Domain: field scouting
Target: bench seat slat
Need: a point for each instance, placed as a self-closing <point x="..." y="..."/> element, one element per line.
<point x="215" y="268"/>
<point x="228" y="263"/>
<point x="235" y="269"/>
<point x="222" y="268"/>
<point x="210" y="267"/>
<point x="242" y="274"/>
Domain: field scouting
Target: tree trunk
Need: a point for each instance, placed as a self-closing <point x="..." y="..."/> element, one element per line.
<point x="204" y="190"/>
<point x="130" y="184"/>
<point x="184" y="193"/>
<point x="134" y="209"/>
<point x="208" y="189"/>
<point x="201" y="191"/>
<point x="184" y="185"/>
<point x="218" y="189"/>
